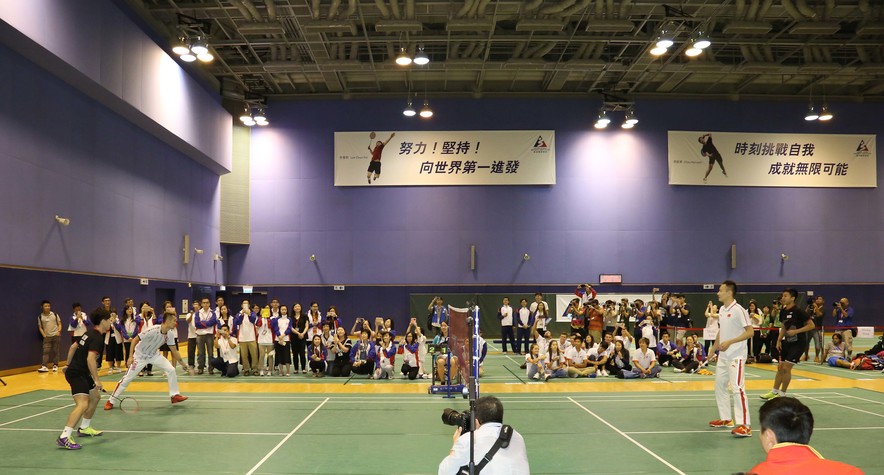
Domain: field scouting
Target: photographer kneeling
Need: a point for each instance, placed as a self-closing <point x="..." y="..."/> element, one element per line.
<point x="511" y="458"/>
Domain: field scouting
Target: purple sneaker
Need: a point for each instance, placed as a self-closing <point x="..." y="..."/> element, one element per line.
<point x="67" y="443"/>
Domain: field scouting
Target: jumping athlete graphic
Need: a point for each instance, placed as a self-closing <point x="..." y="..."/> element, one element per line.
<point x="709" y="150"/>
<point x="375" y="166"/>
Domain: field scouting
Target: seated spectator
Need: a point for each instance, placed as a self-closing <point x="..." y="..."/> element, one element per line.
<point x="620" y="360"/>
<point x="316" y="355"/>
<point x="363" y="354"/>
<point x="441" y="340"/>
<point x="575" y="358"/>
<point x="564" y="341"/>
<point x="341" y="348"/>
<point x="386" y="352"/>
<point x="786" y="427"/>
<point x="411" y="363"/>
<point x="623" y="335"/>
<point x="421" y="341"/>
<point x="554" y="366"/>
<point x="667" y="351"/>
<point x="644" y="362"/>
<point x="228" y="360"/>
<point x="692" y="356"/>
<point x="328" y="342"/>
<point x="534" y="362"/>
<point x="597" y="358"/>
<point x="833" y="354"/>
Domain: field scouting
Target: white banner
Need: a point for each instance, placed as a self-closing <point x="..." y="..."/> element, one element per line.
<point x="503" y="157"/>
<point x="776" y="160"/>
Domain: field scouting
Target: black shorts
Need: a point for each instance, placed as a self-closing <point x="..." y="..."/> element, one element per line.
<point x="165" y="347"/>
<point x="374" y="167"/>
<point x="80" y="383"/>
<point x="792" y="352"/>
<point x="715" y="157"/>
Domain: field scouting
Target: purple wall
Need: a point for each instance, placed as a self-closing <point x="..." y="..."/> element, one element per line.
<point x="611" y="210"/>
<point x="130" y="197"/>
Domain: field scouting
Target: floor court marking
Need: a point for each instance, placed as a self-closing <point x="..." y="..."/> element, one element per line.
<point x="35" y="415"/>
<point x="860" y="398"/>
<point x="713" y="431"/>
<point x="286" y="438"/>
<point x="845" y="407"/>
<point x="26" y="429"/>
<point x="29" y="403"/>
<point x="649" y="451"/>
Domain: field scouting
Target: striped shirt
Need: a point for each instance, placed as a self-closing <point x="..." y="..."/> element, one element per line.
<point x="151" y="340"/>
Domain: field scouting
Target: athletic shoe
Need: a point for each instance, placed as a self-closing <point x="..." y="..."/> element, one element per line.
<point x="262" y="372"/>
<point x="108" y="406"/>
<point x="775" y="360"/>
<point x="90" y="431"/>
<point x="44" y="369"/>
<point x="178" y="398"/>
<point x="720" y="424"/>
<point x="604" y="372"/>
<point x="742" y="431"/>
<point x="55" y="369"/>
<point x="545" y="377"/>
<point x="676" y="370"/>
<point x="67" y="443"/>
<point x="536" y="376"/>
<point x="770" y="395"/>
<point x="524" y="365"/>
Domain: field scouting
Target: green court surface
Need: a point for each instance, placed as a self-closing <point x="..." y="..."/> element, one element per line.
<point x="264" y="433"/>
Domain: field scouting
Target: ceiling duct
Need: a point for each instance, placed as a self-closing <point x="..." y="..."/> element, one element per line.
<point x="261" y="28"/>
<point x="871" y="29"/>
<point x="821" y="68"/>
<point x="282" y="66"/>
<point x="747" y="28"/>
<point x="705" y="67"/>
<point x="815" y="28"/>
<point x="539" y="24"/>
<point x="760" y="67"/>
<point x="329" y="26"/>
<point x="398" y="26"/>
<point x="469" y="25"/>
<point x="585" y="64"/>
<point x="610" y="26"/>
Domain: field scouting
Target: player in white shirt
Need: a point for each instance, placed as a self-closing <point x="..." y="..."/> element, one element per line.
<point x="146" y="350"/>
<point x="505" y="315"/>
<point x="735" y="329"/>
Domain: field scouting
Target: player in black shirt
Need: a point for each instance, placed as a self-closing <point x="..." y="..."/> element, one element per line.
<point x="82" y="374"/>
<point x="709" y="151"/>
<point x="791" y="342"/>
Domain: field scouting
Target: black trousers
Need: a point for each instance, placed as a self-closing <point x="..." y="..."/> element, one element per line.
<point x="506" y="334"/>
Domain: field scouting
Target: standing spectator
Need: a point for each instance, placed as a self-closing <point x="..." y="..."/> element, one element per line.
<point x="341" y="349"/>
<point x="577" y="316"/>
<point x="791" y="342"/>
<point x="817" y="311"/>
<point x="540" y="316"/>
<point x="438" y="313"/>
<point x="595" y="320"/>
<point x="505" y="315"/>
<point x="204" y="322"/>
<point x="79" y="323"/>
<point x="282" y="329"/>
<point x="128" y="328"/>
<point x="538" y="299"/>
<point x="586" y="293"/>
<point x="735" y="329"/>
<point x="245" y="329"/>
<point x="767" y="344"/>
<point x="265" y="338"/>
<point x="227" y="362"/>
<point x="300" y="328"/>
<point x="756" y="318"/>
<point x="113" y="346"/>
<point x="786" y="427"/>
<point x="314" y="321"/>
<point x="317" y="354"/>
<point x="610" y="316"/>
<point x="421" y="341"/>
<point x="683" y="317"/>
<point x="333" y="320"/>
<point x="843" y="314"/>
<point x="711" y="325"/>
<point x="49" y="325"/>
<point x="191" y="337"/>
<point x="523" y="332"/>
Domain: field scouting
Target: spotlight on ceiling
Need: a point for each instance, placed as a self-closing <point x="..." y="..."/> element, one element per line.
<point x="409" y="110"/>
<point x="403" y="59"/>
<point x="825" y="113"/>
<point x="426" y="112"/>
<point x="421" y="57"/>
<point x="811" y="113"/>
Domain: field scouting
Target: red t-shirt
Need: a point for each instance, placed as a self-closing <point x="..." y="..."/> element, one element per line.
<point x="376" y="153"/>
<point x="798" y="459"/>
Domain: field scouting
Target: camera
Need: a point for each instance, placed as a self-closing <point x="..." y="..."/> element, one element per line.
<point x="836" y="304"/>
<point x="810" y="300"/>
<point x="451" y="417"/>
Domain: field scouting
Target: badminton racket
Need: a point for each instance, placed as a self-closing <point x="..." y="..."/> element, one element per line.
<point x="371" y="137"/>
<point x="127" y="404"/>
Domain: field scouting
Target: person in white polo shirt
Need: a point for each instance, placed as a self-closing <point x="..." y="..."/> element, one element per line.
<point x="734" y="330"/>
<point x="228" y="349"/>
<point x="247" y="335"/>
<point x="146" y="350"/>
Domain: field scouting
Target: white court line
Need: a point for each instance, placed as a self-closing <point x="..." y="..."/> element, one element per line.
<point x="649" y="451"/>
<point x="713" y="431"/>
<point x="286" y="438"/>
<point x="29" y="403"/>
<point x="25" y="429"/>
<point x="35" y="415"/>
<point x="862" y="399"/>
<point x="845" y="407"/>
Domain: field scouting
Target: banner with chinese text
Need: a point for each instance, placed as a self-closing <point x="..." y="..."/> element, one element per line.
<point x="504" y="157"/>
<point x="775" y="160"/>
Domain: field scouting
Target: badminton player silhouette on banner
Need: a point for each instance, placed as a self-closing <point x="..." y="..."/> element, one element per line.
<point x="374" y="168"/>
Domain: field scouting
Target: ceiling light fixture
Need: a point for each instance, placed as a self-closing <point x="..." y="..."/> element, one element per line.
<point x="198" y="46"/>
<point x="403" y="59"/>
<point x="811" y="114"/>
<point x="629" y="119"/>
<point x="701" y="41"/>
<point x="693" y="52"/>
<point x="825" y="113"/>
<point x="421" y="58"/>
<point x="251" y="119"/>
<point x="409" y="110"/>
<point x="602" y="121"/>
<point x="658" y="50"/>
<point x="426" y="112"/>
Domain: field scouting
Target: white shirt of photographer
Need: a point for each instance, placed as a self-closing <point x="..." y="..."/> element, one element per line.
<point x="230" y="355"/>
<point x="511" y="460"/>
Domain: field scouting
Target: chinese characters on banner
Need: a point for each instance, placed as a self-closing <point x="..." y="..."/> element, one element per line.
<point x="777" y="160"/>
<point x="505" y="157"/>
